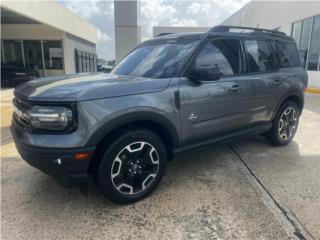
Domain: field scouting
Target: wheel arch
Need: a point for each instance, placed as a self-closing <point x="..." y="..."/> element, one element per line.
<point x="154" y="122"/>
<point x="294" y="96"/>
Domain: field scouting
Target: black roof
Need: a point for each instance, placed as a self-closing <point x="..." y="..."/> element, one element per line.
<point x="181" y="36"/>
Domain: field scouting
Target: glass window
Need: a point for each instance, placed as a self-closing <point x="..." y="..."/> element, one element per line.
<point x="53" y="54"/>
<point x="218" y="58"/>
<point x="13" y="53"/>
<point x="305" y="34"/>
<point x="156" y="60"/>
<point x="305" y="37"/>
<point x="259" y="56"/>
<point x="286" y="54"/>
<point x="33" y="54"/>
<point x="313" y="59"/>
<point x="296" y="32"/>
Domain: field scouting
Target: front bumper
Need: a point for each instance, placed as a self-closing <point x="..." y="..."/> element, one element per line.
<point x="57" y="162"/>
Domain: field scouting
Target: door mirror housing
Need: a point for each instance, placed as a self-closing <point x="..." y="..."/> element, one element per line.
<point x="204" y="74"/>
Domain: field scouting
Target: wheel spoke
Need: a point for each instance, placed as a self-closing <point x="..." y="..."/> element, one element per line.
<point x="280" y="124"/>
<point x="116" y="167"/>
<point x="135" y="167"/>
<point x="291" y="130"/>
<point x="287" y="123"/>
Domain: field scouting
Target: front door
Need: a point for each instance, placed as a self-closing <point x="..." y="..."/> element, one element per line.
<point x="215" y="97"/>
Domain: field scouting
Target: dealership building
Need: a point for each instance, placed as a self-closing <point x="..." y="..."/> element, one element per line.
<point x="46" y="37"/>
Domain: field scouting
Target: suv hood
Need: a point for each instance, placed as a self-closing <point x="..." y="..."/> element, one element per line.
<point x="82" y="87"/>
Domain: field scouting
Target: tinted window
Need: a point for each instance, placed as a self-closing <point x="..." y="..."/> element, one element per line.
<point x="158" y="60"/>
<point x="12" y="53"/>
<point x="219" y="57"/>
<point x="286" y="54"/>
<point x="53" y="54"/>
<point x="33" y="54"/>
<point x="305" y="34"/>
<point x="314" y="52"/>
<point x="259" y="56"/>
<point x="296" y="31"/>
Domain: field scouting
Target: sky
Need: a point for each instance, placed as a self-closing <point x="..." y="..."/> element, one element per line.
<point x="187" y="13"/>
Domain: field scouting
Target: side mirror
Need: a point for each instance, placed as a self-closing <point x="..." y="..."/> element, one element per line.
<point x="204" y="74"/>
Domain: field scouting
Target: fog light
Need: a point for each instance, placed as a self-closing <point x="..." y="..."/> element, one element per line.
<point x="58" y="161"/>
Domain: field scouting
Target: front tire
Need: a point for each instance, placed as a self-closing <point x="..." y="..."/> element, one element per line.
<point x="132" y="166"/>
<point x="285" y="124"/>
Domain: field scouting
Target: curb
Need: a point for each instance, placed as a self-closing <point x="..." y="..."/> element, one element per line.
<point x="313" y="90"/>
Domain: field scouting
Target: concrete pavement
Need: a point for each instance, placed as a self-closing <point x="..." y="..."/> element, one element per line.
<point x="291" y="173"/>
<point x="205" y="194"/>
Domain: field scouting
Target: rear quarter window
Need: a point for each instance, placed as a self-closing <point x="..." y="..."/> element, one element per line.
<point x="286" y="54"/>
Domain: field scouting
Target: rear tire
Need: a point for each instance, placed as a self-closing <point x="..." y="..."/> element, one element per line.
<point x="285" y="124"/>
<point x="131" y="167"/>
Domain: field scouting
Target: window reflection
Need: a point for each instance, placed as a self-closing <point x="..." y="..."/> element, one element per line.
<point x="12" y="53"/>
<point x="309" y="48"/>
<point x="314" y="52"/>
<point x="296" y="32"/>
<point x="157" y="60"/>
<point x="260" y="57"/>
<point x="219" y="58"/>
<point x="33" y="54"/>
<point x="53" y="54"/>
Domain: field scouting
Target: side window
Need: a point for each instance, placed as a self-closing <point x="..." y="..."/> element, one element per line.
<point x="286" y="53"/>
<point x="218" y="58"/>
<point x="259" y="56"/>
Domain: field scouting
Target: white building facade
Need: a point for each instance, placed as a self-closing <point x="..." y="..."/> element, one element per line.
<point x="46" y="37"/>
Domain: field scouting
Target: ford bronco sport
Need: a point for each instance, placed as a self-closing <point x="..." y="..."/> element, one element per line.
<point x="170" y="94"/>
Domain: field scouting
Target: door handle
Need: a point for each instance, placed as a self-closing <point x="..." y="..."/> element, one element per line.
<point x="276" y="82"/>
<point x="235" y="88"/>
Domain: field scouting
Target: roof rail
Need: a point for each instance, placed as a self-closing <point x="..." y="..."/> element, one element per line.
<point x="224" y="28"/>
<point x="163" y="34"/>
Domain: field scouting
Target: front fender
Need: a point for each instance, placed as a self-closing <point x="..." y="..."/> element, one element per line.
<point x="127" y="116"/>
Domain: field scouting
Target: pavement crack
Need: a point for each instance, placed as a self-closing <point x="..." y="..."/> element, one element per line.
<point x="6" y="140"/>
<point x="292" y="224"/>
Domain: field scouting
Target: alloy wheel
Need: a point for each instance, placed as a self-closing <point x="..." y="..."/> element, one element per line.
<point x="135" y="168"/>
<point x="288" y="123"/>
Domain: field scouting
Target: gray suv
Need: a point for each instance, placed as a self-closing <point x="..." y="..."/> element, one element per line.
<point x="170" y="94"/>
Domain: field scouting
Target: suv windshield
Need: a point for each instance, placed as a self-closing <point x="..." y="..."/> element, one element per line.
<point x="156" y="60"/>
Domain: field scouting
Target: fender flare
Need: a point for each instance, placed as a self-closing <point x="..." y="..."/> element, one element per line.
<point x="290" y="93"/>
<point x="122" y="118"/>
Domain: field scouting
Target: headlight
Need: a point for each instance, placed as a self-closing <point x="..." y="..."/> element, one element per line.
<point x="51" y="118"/>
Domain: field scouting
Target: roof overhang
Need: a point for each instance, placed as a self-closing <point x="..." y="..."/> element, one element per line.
<point x="50" y="13"/>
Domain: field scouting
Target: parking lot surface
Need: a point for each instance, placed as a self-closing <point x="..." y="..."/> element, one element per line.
<point x="217" y="192"/>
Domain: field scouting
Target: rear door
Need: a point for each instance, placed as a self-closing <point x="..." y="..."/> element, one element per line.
<point x="290" y="74"/>
<point x="262" y="77"/>
<point x="217" y="101"/>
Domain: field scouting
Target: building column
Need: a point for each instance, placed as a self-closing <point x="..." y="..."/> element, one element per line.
<point x="67" y="55"/>
<point x="127" y="27"/>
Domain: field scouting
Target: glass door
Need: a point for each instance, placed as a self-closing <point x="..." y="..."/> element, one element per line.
<point x="33" y="55"/>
